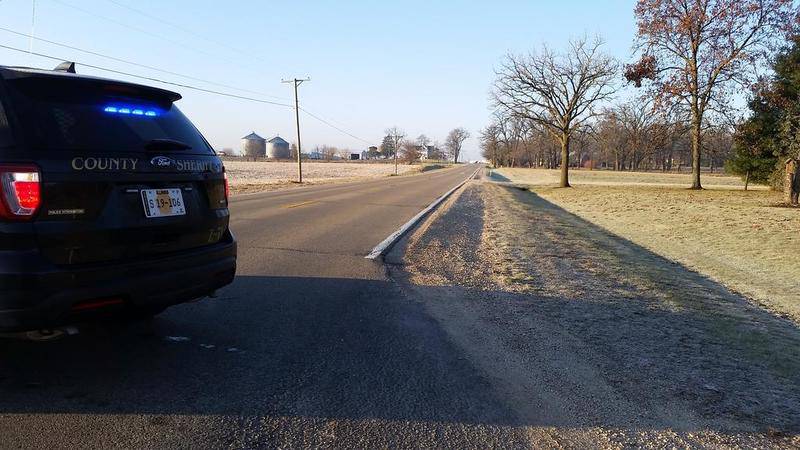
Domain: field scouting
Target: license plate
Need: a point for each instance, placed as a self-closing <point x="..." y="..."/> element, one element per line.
<point x="163" y="203"/>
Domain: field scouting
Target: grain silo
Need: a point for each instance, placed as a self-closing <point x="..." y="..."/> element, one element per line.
<point x="254" y="146"/>
<point x="278" y="148"/>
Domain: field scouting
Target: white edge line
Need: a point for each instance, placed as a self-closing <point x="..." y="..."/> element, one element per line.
<point x="387" y="243"/>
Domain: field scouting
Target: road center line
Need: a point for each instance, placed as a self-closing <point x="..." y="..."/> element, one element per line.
<point x="297" y="205"/>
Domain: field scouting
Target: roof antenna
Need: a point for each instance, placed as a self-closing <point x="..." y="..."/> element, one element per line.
<point x="66" y="66"/>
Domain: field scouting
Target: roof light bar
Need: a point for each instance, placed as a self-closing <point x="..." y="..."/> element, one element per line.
<point x="125" y="110"/>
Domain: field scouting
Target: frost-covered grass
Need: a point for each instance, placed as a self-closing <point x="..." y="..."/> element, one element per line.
<point x="249" y="176"/>
<point x="738" y="238"/>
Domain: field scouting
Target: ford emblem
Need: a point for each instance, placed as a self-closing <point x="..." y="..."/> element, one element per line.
<point x="162" y="162"/>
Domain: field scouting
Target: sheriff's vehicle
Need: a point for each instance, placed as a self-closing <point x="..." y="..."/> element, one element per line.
<point x="111" y="201"/>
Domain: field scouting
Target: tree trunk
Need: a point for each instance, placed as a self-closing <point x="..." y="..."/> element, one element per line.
<point x="565" y="161"/>
<point x="696" y="145"/>
<point x="746" y="180"/>
<point x="791" y="186"/>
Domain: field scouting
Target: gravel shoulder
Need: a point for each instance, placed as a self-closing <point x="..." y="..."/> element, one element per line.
<point x="594" y="340"/>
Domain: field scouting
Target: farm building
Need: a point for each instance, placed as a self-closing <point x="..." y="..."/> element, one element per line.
<point x="254" y="146"/>
<point x="278" y="148"/>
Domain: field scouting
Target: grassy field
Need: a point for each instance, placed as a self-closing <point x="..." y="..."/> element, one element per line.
<point x="740" y="239"/>
<point x="249" y="176"/>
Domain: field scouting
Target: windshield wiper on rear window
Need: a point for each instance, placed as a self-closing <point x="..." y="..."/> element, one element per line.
<point x="160" y="145"/>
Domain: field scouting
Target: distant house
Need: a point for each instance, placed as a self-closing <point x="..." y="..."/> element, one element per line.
<point x="373" y="153"/>
<point x="316" y="154"/>
<point x="432" y="152"/>
<point x="226" y="151"/>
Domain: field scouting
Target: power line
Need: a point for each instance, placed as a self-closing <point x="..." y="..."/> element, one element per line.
<point x="128" y="74"/>
<point x="335" y="127"/>
<point x="177" y="27"/>
<point x="187" y="86"/>
<point x="148" y="33"/>
<point x="335" y="122"/>
<point x="133" y="63"/>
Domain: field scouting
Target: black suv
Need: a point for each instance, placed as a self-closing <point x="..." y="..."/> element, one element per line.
<point x="111" y="201"/>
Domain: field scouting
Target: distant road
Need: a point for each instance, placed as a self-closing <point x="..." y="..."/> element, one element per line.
<point x="311" y="346"/>
<point x="326" y="230"/>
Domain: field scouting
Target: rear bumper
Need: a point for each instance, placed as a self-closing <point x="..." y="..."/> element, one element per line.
<point x="35" y="295"/>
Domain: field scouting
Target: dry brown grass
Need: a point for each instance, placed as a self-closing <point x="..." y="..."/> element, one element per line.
<point x="250" y="176"/>
<point x="737" y="238"/>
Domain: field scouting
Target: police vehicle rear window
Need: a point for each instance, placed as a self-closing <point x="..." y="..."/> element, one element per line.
<point x="57" y="115"/>
<point x="5" y="128"/>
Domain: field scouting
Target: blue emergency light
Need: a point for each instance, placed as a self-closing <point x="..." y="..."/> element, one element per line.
<point x="125" y="110"/>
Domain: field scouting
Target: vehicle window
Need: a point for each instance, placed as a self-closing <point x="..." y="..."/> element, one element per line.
<point x="95" y="120"/>
<point x="5" y="128"/>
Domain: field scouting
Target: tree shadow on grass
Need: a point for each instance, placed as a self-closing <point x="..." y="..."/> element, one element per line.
<point x="496" y="176"/>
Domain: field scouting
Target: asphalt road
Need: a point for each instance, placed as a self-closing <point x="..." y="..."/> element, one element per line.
<point x="311" y="346"/>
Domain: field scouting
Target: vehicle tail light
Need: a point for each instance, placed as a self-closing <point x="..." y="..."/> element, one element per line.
<point x="227" y="188"/>
<point x="20" y="192"/>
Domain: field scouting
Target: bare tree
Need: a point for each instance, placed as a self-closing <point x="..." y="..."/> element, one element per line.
<point x="423" y="141"/>
<point x="395" y="136"/>
<point x="490" y="143"/>
<point x="328" y="152"/>
<point x="697" y="51"/>
<point x="454" y="142"/>
<point x="410" y="152"/>
<point x="557" y="90"/>
<point x="344" y="153"/>
<point x="611" y="139"/>
<point x="718" y="145"/>
<point x="642" y="123"/>
<point x="583" y="140"/>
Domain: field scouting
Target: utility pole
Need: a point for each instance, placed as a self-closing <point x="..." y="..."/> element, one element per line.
<point x="297" y="82"/>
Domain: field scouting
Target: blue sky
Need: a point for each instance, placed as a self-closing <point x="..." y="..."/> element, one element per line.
<point x="423" y="66"/>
